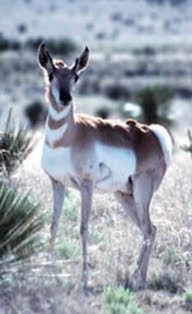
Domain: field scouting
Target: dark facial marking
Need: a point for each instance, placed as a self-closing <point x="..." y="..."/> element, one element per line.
<point x="65" y="96"/>
<point x="76" y="78"/>
<point x="50" y="77"/>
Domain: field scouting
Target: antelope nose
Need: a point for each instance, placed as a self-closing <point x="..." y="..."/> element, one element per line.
<point x="65" y="96"/>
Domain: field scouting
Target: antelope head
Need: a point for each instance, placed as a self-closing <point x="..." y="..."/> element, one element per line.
<point x="61" y="78"/>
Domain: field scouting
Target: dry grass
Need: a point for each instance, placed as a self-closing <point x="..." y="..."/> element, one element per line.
<point x="52" y="285"/>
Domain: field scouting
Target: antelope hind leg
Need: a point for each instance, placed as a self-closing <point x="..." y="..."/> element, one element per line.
<point x="86" y="203"/>
<point x="142" y="193"/>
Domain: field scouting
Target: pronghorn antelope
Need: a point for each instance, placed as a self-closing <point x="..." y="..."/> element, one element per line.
<point x="87" y="153"/>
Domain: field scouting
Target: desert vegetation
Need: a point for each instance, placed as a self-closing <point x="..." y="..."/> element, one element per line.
<point x="188" y="147"/>
<point x="15" y="145"/>
<point x="140" y="69"/>
<point x="20" y="218"/>
<point x="64" y="45"/>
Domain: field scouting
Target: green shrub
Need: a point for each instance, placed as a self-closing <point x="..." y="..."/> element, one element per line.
<point x="155" y="104"/>
<point x="20" y="223"/>
<point x="117" y="300"/>
<point x="66" y="249"/>
<point x="36" y="113"/>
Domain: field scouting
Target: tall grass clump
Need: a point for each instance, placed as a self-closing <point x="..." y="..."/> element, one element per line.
<point x="20" y="224"/>
<point x="155" y="104"/>
<point x="117" y="300"/>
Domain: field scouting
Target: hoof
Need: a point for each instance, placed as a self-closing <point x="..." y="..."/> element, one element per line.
<point x="136" y="283"/>
<point x="87" y="291"/>
<point x="84" y="283"/>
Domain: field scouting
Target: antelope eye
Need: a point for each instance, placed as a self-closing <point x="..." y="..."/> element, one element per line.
<point x="76" y="78"/>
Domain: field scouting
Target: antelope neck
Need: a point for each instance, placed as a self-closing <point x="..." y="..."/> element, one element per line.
<point x="59" y="125"/>
<point x="59" y="115"/>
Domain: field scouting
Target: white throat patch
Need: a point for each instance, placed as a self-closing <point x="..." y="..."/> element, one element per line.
<point x="55" y="135"/>
<point x="59" y="115"/>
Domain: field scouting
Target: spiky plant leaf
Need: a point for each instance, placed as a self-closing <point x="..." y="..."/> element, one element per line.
<point x="15" y="145"/>
<point x="188" y="148"/>
<point x="20" y="223"/>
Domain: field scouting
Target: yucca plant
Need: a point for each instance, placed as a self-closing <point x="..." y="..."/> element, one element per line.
<point x="15" y="145"/>
<point x="20" y="224"/>
<point x="188" y="148"/>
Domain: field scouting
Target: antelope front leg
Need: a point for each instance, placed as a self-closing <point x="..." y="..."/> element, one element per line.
<point x="58" y="199"/>
<point x="86" y="203"/>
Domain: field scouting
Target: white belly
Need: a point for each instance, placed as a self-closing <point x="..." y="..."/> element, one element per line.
<point x="57" y="163"/>
<point x="112" y="166"/>
<point x="116" y="165"/>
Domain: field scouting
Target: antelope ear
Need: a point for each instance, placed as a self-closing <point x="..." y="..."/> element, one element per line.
<point x="45" y="59"/>
<point x="82" y="62"/>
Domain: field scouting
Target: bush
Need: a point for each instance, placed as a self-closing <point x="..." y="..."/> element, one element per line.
<point x="155" y="104"/>
<point x="66" y="249"/>
<point x="36" y="113"/>
<point x="120" y="301"/>
<point x="166" y="281"/>
<point x="9" y="44"/>
<point x="116" y="91"/>
<point x="22" y="28"/>
<point x="57" y="46"/>
<point x="146" y="50"/>
<point x="20" y="223"/>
